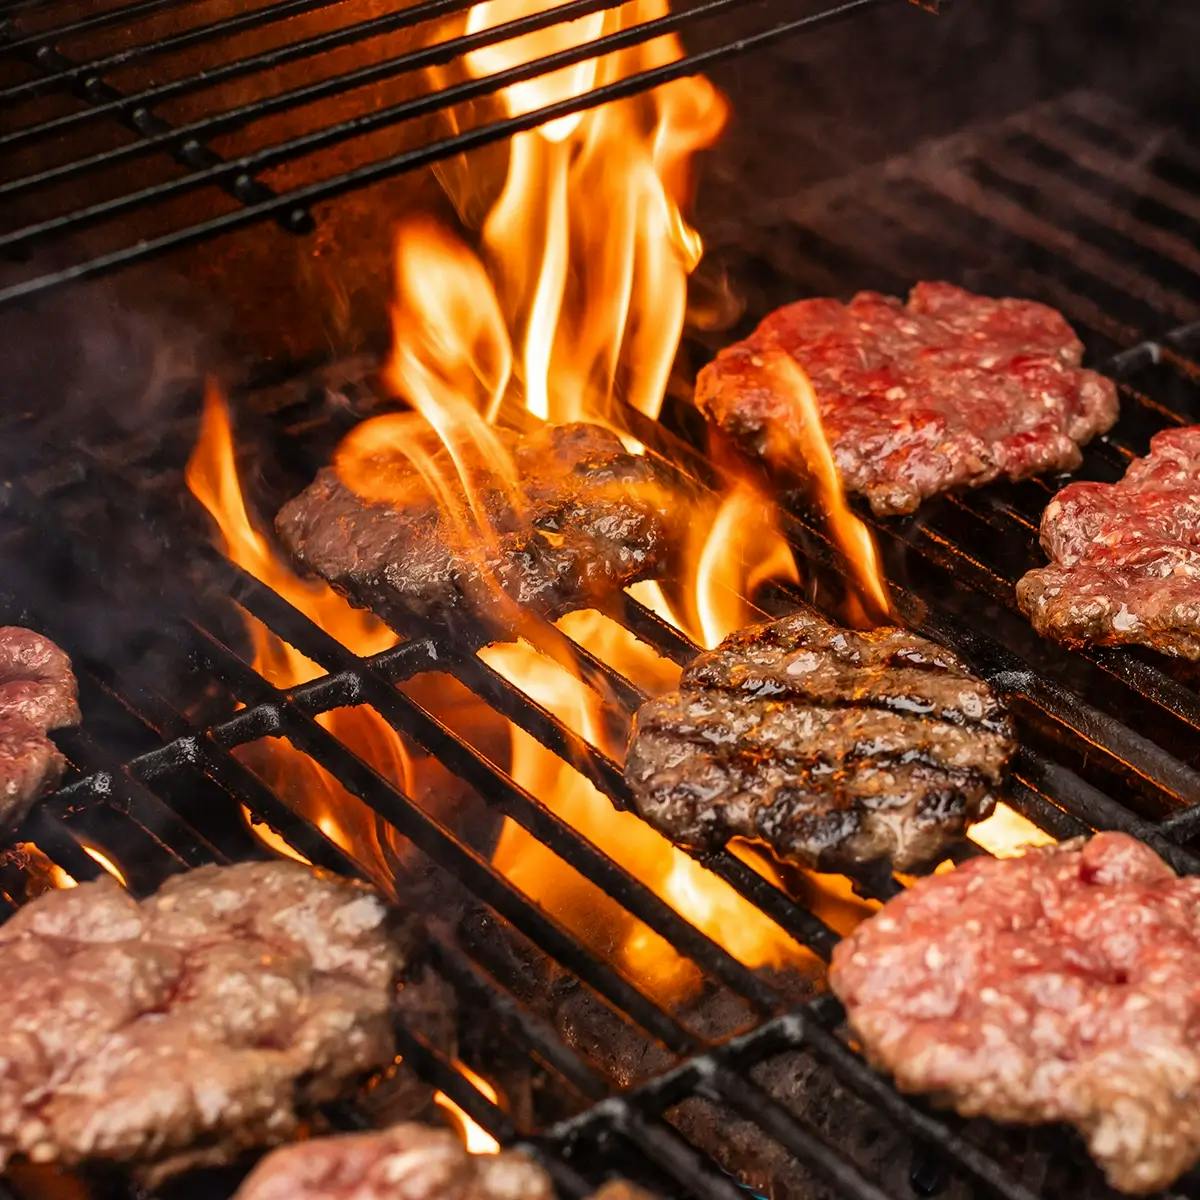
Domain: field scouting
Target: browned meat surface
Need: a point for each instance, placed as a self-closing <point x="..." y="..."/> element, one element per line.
<point x="1125" y="557"/>
<point x="1063" y="985"/>
<point x="185" y="1028"/>
<point x="833" y="747"/>
<point x="37" y="693"/>
<point x="583" y="519"/>
<point x="406" y="1162"/>
<point x="949" y="390"/>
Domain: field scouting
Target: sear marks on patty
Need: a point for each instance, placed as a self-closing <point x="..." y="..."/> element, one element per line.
<point x="405" y="1162"/>
<point x="1125" y="556"/>
<point x="832" y="746"/>
<point x="949" y="390"/>
<point x="594" y="519"/>
<point x="183" y="1029"/>
<point x="37" y="694"/>
<point x="1057" y="986"/>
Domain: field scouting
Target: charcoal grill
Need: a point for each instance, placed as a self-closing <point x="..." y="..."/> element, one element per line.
<point x="1050" y="202"/>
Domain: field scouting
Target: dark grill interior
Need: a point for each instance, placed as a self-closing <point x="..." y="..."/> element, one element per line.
<point x="1077" y="201"/>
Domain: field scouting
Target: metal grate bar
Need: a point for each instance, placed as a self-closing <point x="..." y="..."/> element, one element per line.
<point x="308" y="195"/>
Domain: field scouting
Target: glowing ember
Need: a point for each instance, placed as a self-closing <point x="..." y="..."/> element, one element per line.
<point x="476" y="1139"/>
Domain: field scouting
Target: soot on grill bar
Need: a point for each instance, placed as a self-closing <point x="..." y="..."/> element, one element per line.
<point x="599" y="599"/>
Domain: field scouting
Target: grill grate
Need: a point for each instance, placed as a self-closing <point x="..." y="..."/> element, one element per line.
<point x="57" y="167"/>
<point x="153" y="809"/>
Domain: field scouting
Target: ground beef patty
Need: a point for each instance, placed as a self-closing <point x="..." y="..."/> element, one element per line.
<point x="594" y="519"/>
<point x="1126" y="555"/>
<point x="184" y="1028"/>
<point x="37" y="694"/>
<point x="834" y="747"/>
<point x="406" y="1162"/>
<point x="1058" y="986"/>
<point x="949" y="390"/>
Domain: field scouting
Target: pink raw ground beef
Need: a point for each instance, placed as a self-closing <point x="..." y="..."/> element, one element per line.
<point x="1125" y="556"/>
<point x="949" y="390"/>
<point x="1063" y="985"/>
<point x="37" y="694"/>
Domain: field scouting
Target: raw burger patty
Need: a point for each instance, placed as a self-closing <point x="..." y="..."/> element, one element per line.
<point x="833" y="747"/>
<point x="405" y="1162"/>
<point x="37" y="693"/>
<point x="1063" y="985"/>
<point x="595" y="520"/>
<point x="1125" y="556"/>
<point x="183" y="1029"/>
<point x="949" y="390"/>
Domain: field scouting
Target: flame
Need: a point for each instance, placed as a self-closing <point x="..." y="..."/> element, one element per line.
<point x="1007" y="833"/>
<point x="105" y="862"/>
<point x="805" y="449"/>
<point x="212" y="478"/>
<point x="476" y="1139"/>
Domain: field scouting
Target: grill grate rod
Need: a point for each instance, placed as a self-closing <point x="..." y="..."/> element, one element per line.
<point x="379" y="170"/>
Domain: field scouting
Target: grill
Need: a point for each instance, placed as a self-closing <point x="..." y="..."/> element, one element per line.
<point x="191" y="70"/>
<point x="1049" y="203"/>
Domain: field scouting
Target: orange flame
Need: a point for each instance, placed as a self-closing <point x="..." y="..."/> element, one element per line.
<point x="805" y="448"/>
<point x="212" y="478"/>
<point x="476" y="1139"/>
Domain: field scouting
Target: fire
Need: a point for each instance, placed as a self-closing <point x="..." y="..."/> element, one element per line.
<point x="805" y="449"/>
<point x="212" y="478"/>
<point x="476" y="1139"/>
<point x="1007" y="833"/>
<point x="105" y="862"/>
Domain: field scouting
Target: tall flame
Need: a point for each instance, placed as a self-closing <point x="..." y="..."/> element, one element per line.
<point x="212" y="478"/>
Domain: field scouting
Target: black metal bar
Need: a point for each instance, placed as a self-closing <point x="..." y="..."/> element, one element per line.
<point x="434" y="152"/>
<point x="65" y="73"/>
<point x="189" y="151"/>
<point x="112" y="16"/>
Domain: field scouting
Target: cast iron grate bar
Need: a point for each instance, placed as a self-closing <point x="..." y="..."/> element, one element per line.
<point x="304" y="197"/>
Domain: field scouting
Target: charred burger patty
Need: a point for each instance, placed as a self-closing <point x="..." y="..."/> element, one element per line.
<point x="832" y="746"/>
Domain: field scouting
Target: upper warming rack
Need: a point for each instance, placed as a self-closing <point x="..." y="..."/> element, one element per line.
<point x="154" y="125"/>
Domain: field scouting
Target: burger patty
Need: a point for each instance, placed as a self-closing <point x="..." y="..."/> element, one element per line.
<point x="949" y="390"/>
<point x="37" y="694"/>
<point x="405" y="1162"/>
<point x="182" y="1029"/>
<point x="556" y="519"/>
<point x="1057" y="986"/>
<point x="1125" y="557"/>
<point x="832" y="746"/>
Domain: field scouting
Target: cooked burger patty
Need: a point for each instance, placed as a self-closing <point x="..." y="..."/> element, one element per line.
<point x="833" y="747"/>
<point x="406" y="1162"/>
<point x="571" y="517"/>
<point x="1125" y="556"/>
<point x="1058" y="986"/>
<point x="182" y="1029"/>
<point x="37" y="693"/>
<point x="949" y="390"/>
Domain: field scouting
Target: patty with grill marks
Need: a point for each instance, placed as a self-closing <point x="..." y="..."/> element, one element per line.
<point x="186" y="1028"/>
<point x="37" y="693"/>
<point x="1060" y="985"/>
<point x="834" y="747"/>
<point x="948" y="390"/>
<point x="1125" y="556"/>
<point x="569" y="518"/>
